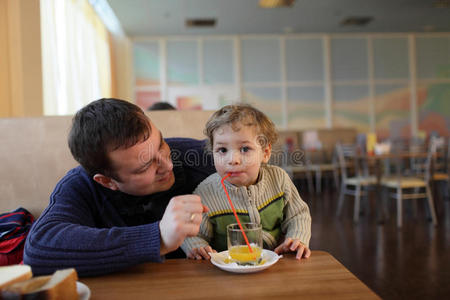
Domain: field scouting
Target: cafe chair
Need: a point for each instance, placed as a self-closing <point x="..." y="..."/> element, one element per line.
<point x="288" y="155"/>
<point x="413" y="185"/>
<point x="441" y="165"/>
<point x="318" y="163"/>
<point x="355" y="186"/>
<point x="413" y="165"/>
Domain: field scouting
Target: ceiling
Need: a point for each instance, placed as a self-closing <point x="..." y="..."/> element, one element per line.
<point x="168" y="17"/>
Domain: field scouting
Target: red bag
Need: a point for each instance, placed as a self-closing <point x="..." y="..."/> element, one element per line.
<point x="14" y="228"/>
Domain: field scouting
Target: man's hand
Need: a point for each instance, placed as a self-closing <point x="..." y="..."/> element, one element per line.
<point x="201" y="252"/>
<point x="181" y="219"/>
<point x="293" y="245"/>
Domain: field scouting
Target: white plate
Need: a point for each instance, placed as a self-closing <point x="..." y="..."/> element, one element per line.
<point x="217" y="259"/>
<point x="83" y="291"/>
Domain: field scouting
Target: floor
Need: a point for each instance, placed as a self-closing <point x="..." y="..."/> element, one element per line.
<point x="408" y="263"/>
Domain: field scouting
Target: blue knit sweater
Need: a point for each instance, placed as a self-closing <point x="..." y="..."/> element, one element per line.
<point x="97" y="230"/>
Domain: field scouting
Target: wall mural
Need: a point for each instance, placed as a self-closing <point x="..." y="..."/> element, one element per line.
<point x="434" y="108"/>
<point x="306" y="114"/>
<point x="352" y="113"/>
<point x="392" y="112"/>
<point x="305" y="107"/>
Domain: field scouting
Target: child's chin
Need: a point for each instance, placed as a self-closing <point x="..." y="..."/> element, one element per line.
<point x="237" y="182"/>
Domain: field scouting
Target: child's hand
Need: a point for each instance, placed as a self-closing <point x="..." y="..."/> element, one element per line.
<point x="200" y="253"/>
<point x="293" y="245"/>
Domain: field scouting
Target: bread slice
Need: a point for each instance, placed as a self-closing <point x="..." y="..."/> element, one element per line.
<point x="60" y="285"/>
<point x="14" y="273"/>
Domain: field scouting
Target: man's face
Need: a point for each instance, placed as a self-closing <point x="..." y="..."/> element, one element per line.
<point x="145" y="168"/>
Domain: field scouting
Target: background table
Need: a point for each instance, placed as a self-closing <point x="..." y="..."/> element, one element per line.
<point x="320" y="276"/>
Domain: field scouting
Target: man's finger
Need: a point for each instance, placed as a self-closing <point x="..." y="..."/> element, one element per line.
<point x="196" y="208"/>
<point x="191" y="229"/>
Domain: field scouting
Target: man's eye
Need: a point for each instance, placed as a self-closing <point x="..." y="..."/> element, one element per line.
<point x="143" y="170"/>
<point x="245" y="149"/>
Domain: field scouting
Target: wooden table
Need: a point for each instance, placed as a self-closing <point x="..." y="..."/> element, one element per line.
<point x="320" y="276"/>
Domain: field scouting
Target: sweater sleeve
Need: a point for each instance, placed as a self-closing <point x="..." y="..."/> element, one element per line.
<point x="206" y="231"/>
<point x="69" y="234"/>
<point x="297" y="221"/>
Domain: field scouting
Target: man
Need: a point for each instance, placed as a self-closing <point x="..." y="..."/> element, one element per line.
<point x="128" y="202"/>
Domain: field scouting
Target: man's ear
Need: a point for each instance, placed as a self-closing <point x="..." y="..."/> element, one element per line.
<point x="106" y="181"/>
<point x="267" y="151"/>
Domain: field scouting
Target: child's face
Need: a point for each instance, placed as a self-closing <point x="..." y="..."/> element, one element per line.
<point x="238" y="153"/>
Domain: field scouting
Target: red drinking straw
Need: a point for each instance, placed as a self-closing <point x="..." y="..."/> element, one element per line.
<point x="234" y="212"/>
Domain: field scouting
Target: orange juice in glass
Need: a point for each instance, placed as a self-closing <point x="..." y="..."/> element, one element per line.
<point x="238" y="248"/>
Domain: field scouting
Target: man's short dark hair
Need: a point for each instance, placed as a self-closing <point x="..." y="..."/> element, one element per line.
<point x="103" y="126"/>
<point x="161" y="106"/>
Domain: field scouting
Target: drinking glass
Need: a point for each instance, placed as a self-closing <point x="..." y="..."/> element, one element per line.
<point x="238" y="248"/>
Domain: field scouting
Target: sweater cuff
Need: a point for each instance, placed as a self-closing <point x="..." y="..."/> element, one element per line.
<point x="191" y="243"/>
<point x="143" y="243"/>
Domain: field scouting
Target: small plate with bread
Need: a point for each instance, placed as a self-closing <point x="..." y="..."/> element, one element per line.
<point x="17" y="282"/>
<point x="84" y="293"/>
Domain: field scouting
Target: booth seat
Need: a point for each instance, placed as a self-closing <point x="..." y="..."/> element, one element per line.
<point x="34" y="154"/>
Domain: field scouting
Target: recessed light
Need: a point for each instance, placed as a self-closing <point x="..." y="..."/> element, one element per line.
<point x="429" y="28"/>
<point x="276" y="3"/>
<point x="200" y="22"/>
<point x="356" y="21"/>
<point x="441" y="4"/>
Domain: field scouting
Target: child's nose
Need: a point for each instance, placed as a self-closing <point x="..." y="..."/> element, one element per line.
<point x="235" y="158"/>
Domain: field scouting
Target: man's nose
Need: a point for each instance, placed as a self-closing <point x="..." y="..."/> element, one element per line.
<point x="164" y="163"/>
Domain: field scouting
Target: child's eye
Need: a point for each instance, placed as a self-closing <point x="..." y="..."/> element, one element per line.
<point x="245" y="149"/>
<point x="221" y="150"/>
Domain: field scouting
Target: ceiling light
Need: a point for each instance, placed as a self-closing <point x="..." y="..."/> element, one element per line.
<point x="356" y="21"/>
<point x="441" y="4"/>
<point x="276" y="3"/>
<point x="429" y="28"/>
<point x="200" y="23"/>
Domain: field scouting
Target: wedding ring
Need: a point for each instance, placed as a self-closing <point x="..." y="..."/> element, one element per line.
<point x="192" y="217"/>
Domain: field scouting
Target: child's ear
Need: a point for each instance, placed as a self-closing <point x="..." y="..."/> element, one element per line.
<point x="267" y="151"/>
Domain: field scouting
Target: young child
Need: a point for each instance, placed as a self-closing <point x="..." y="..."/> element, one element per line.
<point x="241" y="139"/>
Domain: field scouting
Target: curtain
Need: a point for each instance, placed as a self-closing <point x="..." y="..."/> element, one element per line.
<point x="75" y="55"/>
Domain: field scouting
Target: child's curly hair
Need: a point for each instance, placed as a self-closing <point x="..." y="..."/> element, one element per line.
<point x="241" y="114"/>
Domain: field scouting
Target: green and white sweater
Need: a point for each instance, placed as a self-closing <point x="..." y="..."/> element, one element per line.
<point x="273" y="202"/>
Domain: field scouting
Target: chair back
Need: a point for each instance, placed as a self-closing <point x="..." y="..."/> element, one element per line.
<point x="314" y="157"/>
<point x="432" y="147"/>
<point x="347" y="157"/>
<point x="415" y="166"/>
<point x="286" y="151"/>
<point x="447" y="157"/>
<point x="441" y="159"/>
<point x="412" y="166"/>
